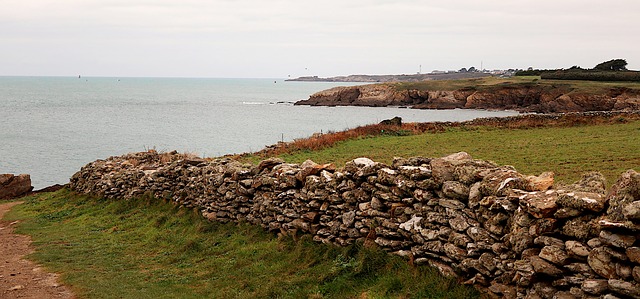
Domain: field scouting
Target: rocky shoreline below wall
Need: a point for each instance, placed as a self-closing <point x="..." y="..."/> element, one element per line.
<point x="523" y="98"/>
<point x="509" y="234"/>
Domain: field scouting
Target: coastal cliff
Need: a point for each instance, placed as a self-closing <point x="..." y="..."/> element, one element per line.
<point x="509" y="95"/>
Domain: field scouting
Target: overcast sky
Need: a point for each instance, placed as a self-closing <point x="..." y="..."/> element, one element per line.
<point x="278" y="38"/>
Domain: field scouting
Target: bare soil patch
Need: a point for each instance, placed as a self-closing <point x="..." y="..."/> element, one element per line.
<point x="21" y="278"/>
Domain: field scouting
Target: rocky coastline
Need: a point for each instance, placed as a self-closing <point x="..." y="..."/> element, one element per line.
<point x="522" y="98"/>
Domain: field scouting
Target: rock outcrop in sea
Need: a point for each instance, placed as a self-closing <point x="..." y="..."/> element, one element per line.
<point x="523" y="98"/>
<point x="510" y="234"/>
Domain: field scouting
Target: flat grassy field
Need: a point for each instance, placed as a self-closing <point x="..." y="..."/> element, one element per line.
<point x="489" y="83"/>
<point x="567" y="151"/>
<point x="147" y="248"/>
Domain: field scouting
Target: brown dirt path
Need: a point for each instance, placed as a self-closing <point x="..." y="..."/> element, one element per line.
<point x="21" y="278"/>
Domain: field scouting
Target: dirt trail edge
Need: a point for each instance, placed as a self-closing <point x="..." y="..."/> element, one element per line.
<point x="20" y="278"/>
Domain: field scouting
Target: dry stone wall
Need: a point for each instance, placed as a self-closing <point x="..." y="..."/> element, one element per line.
<point x="512" y="235"/>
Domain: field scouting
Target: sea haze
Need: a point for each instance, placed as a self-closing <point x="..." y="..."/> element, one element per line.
<point x="52" y="126"/>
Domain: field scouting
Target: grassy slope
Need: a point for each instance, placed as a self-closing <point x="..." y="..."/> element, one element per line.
<point x="569" y="152"/>
<point x="147" y="248"/>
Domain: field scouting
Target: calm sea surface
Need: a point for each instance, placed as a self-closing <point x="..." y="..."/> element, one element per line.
<point x="52" y="126"/>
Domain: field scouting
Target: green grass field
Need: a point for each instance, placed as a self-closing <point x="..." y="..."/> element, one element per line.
<point x="147" y="248"/>
<point x="490" y="83"/>
<point x="568" y="152"/>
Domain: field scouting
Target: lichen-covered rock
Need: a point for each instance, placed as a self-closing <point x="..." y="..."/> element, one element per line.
<point x="601" y="261"/>
<point x="617" y="240"/>
<point x="632" y="211"/>
<point x="457" y="190"/>
<point x="625" y="191"/>
<point x="540" y="204"/>
<point x="583" y="201"/>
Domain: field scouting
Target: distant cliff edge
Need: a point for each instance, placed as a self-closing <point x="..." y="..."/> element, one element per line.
<point x="485" y="93"/>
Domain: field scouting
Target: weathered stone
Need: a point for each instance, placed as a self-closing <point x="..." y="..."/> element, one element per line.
<point x="12" y="186"/>
<point x="564" y="295"/>
<point x="548" y="241"/>
<point x="413" y="225"/>
<point x="460" y="240"/>
<point x="580" y="268"/>
<point x="540" y="204"/>
<point x="543" y="289"/>
<point x="616" y="239"/>
<point x="455" y="190"/>
<point x="554" y="254"/>
<point x="376" y="204"/>
<point x="576" y="248"/>
<point x="601" y="262"/>
<point x="524" y="272"/>
<point x="595" y="286"/>
<point x="544" y="267"/>
<point x="584" y="201"/>
<point x="624" y="192"/>
<point x="348" y="218"/>
<point x="459" y="223"/>
<point x="624" y="288"/>
<point x="474" y="195"/>
<point x="581" y="228"/>
<point x="451" y="204"/>
<point x="567" y="213"/>
<point x="268" y="164"/>
<point x="590" y="182"/>
<point x="455" y="252"/>
<point x="542" y="226"/>
<point x="623" y="271"/>
<point x="442" y="169"/>
<point x="631" y="211"/>
<point x="506" y="291"/>
<point x="539" y="183"/>
<point x="635" y="272"/>
<point x="488" y="261"/>
<point x="633" y="253"/>
<point x="499" y="181"/>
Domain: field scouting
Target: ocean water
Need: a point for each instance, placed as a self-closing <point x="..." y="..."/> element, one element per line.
<point x="52" y="126"/>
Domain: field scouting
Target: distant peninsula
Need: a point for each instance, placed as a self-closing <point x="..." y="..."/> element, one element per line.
<point x="395" y="78"/>
<point x="523" y="94"/>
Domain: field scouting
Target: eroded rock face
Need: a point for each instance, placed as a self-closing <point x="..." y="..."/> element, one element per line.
<point x="509" y="234"/>
<point x="539" y="99"/>
<point x="12" y="186"/>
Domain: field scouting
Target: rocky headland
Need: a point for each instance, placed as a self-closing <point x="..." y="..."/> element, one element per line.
<point x="529" y="96"/>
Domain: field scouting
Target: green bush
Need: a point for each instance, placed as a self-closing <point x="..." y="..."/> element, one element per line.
<point x="592" y="75"/>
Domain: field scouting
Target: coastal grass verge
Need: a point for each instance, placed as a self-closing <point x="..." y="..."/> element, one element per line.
<point x="569" y="151"/>
<point x="491" y="83"/>
<point x="150" y="248"/>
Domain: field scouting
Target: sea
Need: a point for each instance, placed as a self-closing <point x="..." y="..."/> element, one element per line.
<point x="51" y="126"/>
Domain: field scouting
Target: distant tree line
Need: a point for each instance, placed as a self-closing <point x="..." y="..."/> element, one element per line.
<point x="612" y="70"/>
